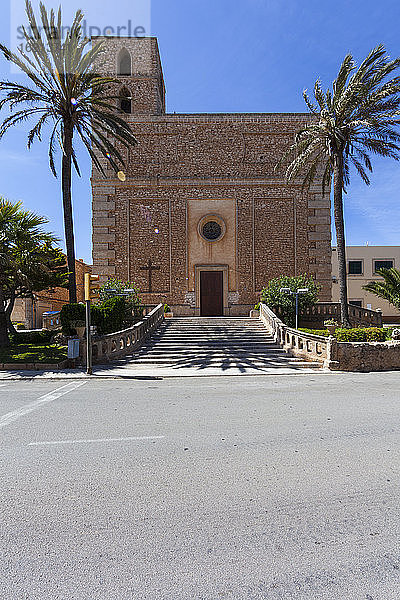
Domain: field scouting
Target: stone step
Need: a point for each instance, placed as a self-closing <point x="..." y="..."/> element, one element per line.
<point x="208" y="356"/>
<point x="213" y="341"/>
<point x="214" y="337"/>
<point x="218" y="363"/>
<point x="214" y="333"/>
<point x="206" y="352"/>
<point x="214" y="325"/>
<point x="193" y="342"/>
<point x="254" y="348"/>
<point x="260" y="348"/>
<point x="222" y="323"/>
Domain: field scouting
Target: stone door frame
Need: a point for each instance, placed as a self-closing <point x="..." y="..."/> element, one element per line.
<point x="225" y="285"/>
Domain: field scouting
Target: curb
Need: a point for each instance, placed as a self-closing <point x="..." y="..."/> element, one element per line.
<point x="82" y="376"/>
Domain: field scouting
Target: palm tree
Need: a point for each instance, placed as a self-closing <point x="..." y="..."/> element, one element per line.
<point x="65" y="93"/>
<point x="29" y="260"/>
<point x="359" y="117"/>
<point x="8" y="224"/>
<point x="389" y="288"/>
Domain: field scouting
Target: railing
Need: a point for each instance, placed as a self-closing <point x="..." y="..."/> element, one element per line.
<point x="331" y="310"/>
<point x="115" y="345"/>
<point x="303" y="345"/>
<point x="343" y="356"/>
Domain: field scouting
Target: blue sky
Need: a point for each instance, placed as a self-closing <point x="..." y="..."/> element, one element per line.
<point x="224" y="56"/>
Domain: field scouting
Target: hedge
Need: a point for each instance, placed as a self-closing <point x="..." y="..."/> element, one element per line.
<point x="323" y="332"/>
<point x="359" y="334"/>
<point x="32" y="337"/>
<point x="69" y="314"/>
<point x="112" y="315"/>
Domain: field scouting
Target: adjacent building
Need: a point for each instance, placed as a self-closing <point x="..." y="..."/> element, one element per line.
<point x="200" y="219"/>
<point x="29" y="311"/>
<point x="362" y="265"/>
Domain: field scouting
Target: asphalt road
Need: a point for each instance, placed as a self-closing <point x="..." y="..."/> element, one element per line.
<point x="282" y="487"/>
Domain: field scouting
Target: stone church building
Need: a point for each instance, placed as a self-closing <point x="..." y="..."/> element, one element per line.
<point x="200" y="220"/>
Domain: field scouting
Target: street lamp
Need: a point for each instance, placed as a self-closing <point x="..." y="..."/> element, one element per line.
<point x="296" y="294"/>
<point x="115" y="293"/>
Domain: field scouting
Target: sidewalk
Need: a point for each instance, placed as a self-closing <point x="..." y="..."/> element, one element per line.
<point x="131" y="371"/>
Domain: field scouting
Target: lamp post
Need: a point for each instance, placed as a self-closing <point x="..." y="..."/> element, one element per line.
<point x="115" y="294"/>
<point x="296" y="294"/>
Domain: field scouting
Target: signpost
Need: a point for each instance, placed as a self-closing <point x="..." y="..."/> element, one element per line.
<point x="296" y="294"/>
<point x="90" y="292"/>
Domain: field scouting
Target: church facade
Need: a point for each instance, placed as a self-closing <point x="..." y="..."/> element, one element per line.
<point x="201" y="220"/>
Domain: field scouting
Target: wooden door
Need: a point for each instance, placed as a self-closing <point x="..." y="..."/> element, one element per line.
<point x="211" y="293"/>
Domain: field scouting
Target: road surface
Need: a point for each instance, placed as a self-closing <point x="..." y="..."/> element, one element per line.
<point x="275" y="487"/>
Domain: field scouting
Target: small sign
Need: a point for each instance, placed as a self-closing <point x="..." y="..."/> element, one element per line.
<point x="73" y="348"/>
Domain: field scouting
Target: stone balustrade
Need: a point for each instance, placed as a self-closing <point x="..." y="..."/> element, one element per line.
<point x="297" y="343"/>
<point x="116" y="345"/>
<point x="336" y="356"/>
<point x="315" y="316"/>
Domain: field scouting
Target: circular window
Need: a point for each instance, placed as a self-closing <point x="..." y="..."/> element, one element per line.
<point x="212" y="228"/>
<point x="212" y="231"/>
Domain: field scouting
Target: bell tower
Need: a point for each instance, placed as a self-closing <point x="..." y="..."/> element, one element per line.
<point x="136" y="63"/>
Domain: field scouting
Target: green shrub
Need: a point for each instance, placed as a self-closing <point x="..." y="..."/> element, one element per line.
<point x="120" y="287"/>
<point x="113" y="315"/>
<point x="367" y="334"/>
<point x="323" y="332"/>
<point x="32" y="337"/>
<point x="167" y="309"/>
<point x="283" y="303"/>
<point x="389" y="331"/>
<point x="331" y="322"/>
<point x="71" y="313"/>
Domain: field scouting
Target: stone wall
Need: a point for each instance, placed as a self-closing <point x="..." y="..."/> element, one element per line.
<point x="337" y="356"/>
<point x="278" y="229"/>
<point x="365" y="357"/>
<point x="146" y="83"/>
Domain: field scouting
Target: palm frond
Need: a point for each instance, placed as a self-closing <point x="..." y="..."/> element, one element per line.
<point x="389" y="288"/>
<point x="360" y="116"/>
<point x="60" y="70"/>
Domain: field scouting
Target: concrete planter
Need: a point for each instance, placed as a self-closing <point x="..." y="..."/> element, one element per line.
<point x="254" y="314"/>
<point x="65" y="364"/>
<point x="331" y="329"/>
<point x="81" y="332"/>
<point x="168" y="315"/>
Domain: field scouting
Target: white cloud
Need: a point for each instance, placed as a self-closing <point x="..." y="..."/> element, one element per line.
<point x="26" y="157"/>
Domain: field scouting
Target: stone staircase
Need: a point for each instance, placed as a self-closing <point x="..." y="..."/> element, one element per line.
<point x="225" y="344"/>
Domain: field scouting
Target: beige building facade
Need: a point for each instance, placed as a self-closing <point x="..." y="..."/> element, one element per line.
<point x="362" y="264"/>
<point x="29" y="311"/>
<point x="201" y="220"/>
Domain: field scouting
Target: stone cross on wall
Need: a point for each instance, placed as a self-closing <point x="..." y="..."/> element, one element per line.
<point x="150" y="268"/>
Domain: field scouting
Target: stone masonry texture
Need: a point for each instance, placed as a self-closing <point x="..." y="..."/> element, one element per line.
<point x="279" y="229"/>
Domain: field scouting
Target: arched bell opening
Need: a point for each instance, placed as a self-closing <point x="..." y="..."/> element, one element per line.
<point x="124" y="63"/>
<point x="125" y="101"/>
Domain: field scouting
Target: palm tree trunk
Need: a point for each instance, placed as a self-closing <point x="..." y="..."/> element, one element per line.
<point x="340" y="236"/>
<point x="67" y="205"/>
<point x="9" y="309"/>
<point x="4" y="339"/>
